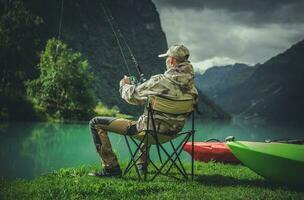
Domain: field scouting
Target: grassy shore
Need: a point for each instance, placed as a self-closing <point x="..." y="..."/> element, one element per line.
<point x="212" y="181"/>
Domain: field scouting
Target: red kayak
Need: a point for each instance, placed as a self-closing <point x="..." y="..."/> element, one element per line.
<point x="206" y="151"/>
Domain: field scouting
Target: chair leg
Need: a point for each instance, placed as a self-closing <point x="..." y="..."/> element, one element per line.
<point x="177" y="152"/>
<point x="192" y="148"/>
<point x="147" y="157"/>
<point x="130" y="164"/>
<point x="132" y="160"/>
<point x="170" y="159"/>
<point x="134" y="155"/>
<point x="192" y="156"/>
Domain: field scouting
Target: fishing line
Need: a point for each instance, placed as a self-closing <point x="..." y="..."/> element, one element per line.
<point x="115" y="34"/>
<point x="60" y="20"/>
<point x="59" y="28"/>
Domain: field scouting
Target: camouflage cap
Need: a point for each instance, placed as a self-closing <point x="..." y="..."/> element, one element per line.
<point x="180" y="52"/>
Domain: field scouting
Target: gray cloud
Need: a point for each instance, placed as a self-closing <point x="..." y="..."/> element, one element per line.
<point x="255" y="12"/>
<point x="219" y="30"/>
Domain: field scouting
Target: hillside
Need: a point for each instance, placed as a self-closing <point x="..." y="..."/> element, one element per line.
<point x="272" y="93"/>
<point x="269" y="92"/>
<point x="217" y="80"/>
<point x="86" y="29"/>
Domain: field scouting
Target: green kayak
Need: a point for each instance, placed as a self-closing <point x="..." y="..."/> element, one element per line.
<point x="275" y="161"/>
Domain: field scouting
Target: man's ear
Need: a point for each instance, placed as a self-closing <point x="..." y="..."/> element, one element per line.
<point x="172" y="61"/>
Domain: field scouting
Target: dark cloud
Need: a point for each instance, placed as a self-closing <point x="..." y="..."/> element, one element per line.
<point x="221" y="32"/>
<point x="254" y="11"/>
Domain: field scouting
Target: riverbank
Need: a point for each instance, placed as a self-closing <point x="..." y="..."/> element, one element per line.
<point x="212" y="181"/>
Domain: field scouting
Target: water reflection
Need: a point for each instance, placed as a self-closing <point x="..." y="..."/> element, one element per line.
<point x="28" y="149"/>
<point x="31" y="149"/>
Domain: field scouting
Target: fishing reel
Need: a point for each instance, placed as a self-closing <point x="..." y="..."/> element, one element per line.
<point x="133" y="80"/>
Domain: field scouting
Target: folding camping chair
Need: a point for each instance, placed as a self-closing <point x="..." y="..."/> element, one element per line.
<point x="159" y="105"/>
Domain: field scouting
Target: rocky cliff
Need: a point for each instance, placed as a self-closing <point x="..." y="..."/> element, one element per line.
<point x="85" y="28"/>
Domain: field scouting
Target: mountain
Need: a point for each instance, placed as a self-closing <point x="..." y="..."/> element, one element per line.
<point x="269" y="94"/>
<point x="217" y="80"/>
<point x="273" y="93"/>
<point x="85" y="27"/>
<point x="210" y="110"/>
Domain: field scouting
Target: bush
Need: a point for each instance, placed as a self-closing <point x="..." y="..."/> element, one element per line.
<point x="103" y="110"/>
<point x="19" y="47"/>
<point x="63" y="88"/>
<point x="19" y="44"/>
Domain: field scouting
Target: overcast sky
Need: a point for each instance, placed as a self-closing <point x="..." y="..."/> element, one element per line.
<point x="220" y="32"/>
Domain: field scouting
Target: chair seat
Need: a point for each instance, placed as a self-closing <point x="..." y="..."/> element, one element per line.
<point x="151" y="140"/>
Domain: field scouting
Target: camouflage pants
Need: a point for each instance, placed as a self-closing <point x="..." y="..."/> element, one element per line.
<point x="100" y="126"/>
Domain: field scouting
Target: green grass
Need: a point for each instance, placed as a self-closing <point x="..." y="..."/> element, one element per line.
<point x="212" y="181"/>
<point x="103" y="110"/>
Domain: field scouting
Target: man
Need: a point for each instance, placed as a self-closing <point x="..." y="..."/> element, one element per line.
<point x="176" y="83"/>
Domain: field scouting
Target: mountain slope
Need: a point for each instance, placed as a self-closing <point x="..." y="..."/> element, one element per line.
<point x="273" y="93"/>
<point x="86" y="29"/>
<point x="269" y="92"/>
<point x="219" y="81"/>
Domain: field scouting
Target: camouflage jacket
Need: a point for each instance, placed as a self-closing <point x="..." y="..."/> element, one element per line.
<point x="176" y="83"/>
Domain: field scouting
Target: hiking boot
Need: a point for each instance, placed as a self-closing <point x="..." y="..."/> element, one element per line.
<point x="111" y="172"/>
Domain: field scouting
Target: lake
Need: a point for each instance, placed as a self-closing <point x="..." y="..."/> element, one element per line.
<point x="31" y="149"/>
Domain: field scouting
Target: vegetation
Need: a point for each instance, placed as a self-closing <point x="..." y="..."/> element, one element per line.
<point x="59" y="88"/>
<point x="103" y="110"/>
<point x="63" y="88"/>
<point x="19" y="44"/>
<point x="213" y="181"/>
<point x="25" y="28"/>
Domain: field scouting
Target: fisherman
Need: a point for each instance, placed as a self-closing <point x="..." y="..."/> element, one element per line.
<point x="176" y="83"/>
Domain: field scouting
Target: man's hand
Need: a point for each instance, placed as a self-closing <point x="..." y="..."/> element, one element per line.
<point x="125" y="80"/>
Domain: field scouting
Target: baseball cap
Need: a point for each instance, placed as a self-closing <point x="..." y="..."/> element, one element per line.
<point x="180" y="52"/>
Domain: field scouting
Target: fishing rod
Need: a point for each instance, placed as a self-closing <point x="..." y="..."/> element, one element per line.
<point x="110" y="20"/>
<point x="59" y="28"/>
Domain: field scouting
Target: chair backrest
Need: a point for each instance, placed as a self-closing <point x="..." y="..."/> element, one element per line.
<point x="170" y="106"/>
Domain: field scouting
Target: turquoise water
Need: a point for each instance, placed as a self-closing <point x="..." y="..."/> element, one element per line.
<point x="31" y="149"/>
